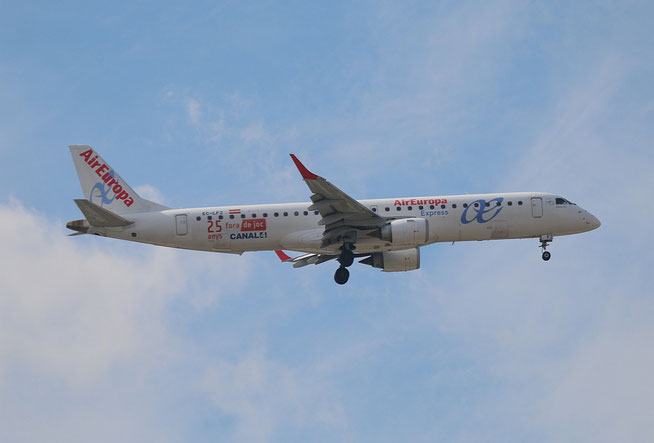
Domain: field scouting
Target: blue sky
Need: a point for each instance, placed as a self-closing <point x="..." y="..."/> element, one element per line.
<point x="105" y="341"/>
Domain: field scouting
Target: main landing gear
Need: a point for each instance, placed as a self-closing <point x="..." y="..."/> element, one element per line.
<point x="346" y="258"/>
<point x="342" y="275"/>
<point x="544" y="243"/>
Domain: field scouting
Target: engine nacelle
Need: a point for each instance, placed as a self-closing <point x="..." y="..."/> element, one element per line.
<point x="395" y="261"/>
<point x="406" y="231"/>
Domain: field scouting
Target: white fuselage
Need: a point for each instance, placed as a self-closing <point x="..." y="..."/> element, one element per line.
<point x="236" y="229"/>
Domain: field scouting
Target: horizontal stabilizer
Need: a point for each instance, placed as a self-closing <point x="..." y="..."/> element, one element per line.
<point x="100" y="217"/>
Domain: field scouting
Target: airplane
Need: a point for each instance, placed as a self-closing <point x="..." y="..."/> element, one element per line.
<point x="385" y="233"/>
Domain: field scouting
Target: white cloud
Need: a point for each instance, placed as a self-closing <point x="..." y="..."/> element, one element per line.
<point x="84" y="337"/>
<point x="237" y="138"/>
<point x="602" y="392"/>
<point x="193" y="111"/>
<point x="74" y="311"/>
<point x="150" y="192"/>
<point x="268" y="398"/>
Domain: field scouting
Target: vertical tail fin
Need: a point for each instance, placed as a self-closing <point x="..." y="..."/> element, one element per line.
<point x="104" y="187"/>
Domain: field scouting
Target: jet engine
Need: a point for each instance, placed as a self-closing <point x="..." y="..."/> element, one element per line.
<point x="405" y="231"/>
<point x="394" y="261"/>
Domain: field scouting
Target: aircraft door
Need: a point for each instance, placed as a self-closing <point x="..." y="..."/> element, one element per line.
<point x="537" y="207"/>
<point x="181" y="224"/>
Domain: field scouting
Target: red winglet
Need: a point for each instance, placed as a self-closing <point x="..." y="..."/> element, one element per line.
<point x="306" y="174"/>
<point x="282" y="256"/>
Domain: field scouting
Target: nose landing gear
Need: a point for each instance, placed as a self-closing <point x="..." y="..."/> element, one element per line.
<point x="346" y="258"/>
<point x="544" y="243"/>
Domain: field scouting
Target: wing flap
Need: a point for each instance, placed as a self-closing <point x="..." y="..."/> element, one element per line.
<point x="324" y="203"/>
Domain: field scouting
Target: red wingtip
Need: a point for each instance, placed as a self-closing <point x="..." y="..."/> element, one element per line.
<point x="306" y="174"/>
<point x="282" y="256"/>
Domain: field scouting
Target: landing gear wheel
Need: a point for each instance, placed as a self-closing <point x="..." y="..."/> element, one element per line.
<point x="544" y="243"/>
<point x="341" y="276"/>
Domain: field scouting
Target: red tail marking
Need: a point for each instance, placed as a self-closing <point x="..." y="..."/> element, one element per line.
<point x="306" y="174"/>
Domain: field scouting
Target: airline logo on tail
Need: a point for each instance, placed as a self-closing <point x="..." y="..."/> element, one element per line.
<point x="102" y="192"/>
<point x="108" y="182"/>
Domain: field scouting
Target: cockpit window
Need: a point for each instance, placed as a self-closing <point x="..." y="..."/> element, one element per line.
<point x="562" y="201"/>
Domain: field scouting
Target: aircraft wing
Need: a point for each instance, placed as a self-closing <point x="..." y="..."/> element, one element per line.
<point x="342" y="216"/>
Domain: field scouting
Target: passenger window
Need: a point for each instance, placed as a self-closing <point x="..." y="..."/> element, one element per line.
<point x="487" y="204"/>
<point x="220" y="217"/>
<point x="276" y="214"/>
<point x="374" y="209"/>
<point x="231" y="216"/>
<point x="476" y="205"/>
<point x="387" y="209"/>
<point x="208" y="218"/>
<point x="510" y="203"/>
<point x="285" y="214"/>
<point x="453" y="205"/>
<point x="254" y="215"/>
<point x="242" y="215"/>
<point x="296" y="213"/>
<point x="420" y="207"/>
<point x="465" y="205"/>
<point x="399" y="208"/>
<point x="519" y="203"/>
<point x="431" y="206"/>
<point x="306" y="212"/>
<point x="499" y="204"/>
<point x="315" y="212"/>
<point x="442" y="206"/>
<point x="265" y="215"/>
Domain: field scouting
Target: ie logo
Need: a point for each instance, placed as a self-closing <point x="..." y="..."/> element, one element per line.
<point x="482" y="211"/>
<point x="100" y="191"/>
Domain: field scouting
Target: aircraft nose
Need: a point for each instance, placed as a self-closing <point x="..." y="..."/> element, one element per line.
<point x="593" y="221"/>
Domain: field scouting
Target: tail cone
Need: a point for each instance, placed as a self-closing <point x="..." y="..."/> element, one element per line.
<point x="78" y="225"/>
